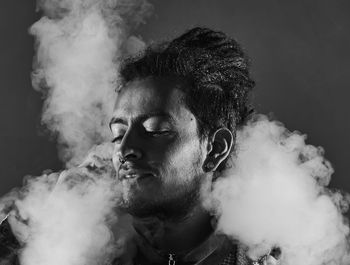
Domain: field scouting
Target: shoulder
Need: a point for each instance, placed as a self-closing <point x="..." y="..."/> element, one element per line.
<point x="271" y="258"/>
<point x="9" y="245"/>
<point x="238" y="255"/>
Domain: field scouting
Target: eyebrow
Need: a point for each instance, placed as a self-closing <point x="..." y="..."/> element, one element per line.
<point x="115" y="120"/>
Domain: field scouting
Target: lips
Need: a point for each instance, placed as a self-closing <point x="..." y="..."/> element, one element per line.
<point x="133" y="173"/>
<point x="130" y="170"/>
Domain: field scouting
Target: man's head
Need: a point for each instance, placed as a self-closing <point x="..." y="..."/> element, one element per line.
<point x="175" y="119"/>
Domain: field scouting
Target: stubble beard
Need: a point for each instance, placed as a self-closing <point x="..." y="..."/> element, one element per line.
<point x="172" y="202"/>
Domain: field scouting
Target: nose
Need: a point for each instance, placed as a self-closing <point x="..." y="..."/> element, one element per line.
<point x="130" y="154"/>
<point x="130" y="148"/>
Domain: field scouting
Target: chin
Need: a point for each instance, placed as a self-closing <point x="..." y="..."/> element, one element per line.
<point x="137" y="208"/>
<point x="143" y="205"/>
<point x="134" y="200"/>
<point x="149" y="197"/>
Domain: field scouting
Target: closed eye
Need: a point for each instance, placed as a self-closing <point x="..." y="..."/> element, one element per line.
<point x="117" y="139"/>
<point x="158" y="133"/>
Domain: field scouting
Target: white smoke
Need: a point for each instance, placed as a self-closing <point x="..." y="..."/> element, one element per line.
<point x="79" y="44"/>
<point x="70" y="217"/>
<point x="275" y="195"/>
<point x="67" y="222"/>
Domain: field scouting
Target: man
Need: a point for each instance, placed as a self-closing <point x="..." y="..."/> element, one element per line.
<point x="174" y="127"/>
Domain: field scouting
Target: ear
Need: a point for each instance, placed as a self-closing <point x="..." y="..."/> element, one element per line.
<point x="219" y="147"/>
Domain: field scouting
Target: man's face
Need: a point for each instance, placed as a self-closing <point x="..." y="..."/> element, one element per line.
<point x="157" y="136"/>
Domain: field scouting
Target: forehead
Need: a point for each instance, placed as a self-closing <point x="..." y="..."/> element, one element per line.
<point x="147" y="96"/>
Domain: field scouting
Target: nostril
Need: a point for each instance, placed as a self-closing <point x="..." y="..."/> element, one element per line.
<point x="122" y="160"/>
<point x="130" y="154"/>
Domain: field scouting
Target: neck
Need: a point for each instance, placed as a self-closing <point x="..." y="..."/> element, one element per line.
<point x="175" y="235"/>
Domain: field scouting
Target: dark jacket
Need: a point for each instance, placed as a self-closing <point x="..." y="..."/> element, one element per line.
<point x="9" y="245"/>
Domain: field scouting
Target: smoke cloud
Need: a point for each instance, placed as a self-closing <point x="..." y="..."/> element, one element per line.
<point x="70" y="217"/>
<point x="66" y="222"/>
<point x="275" y="195"/>
<point x="79" y="44"/>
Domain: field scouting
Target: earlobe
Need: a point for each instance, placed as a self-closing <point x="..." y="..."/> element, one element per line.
<point x="219" y="147"/>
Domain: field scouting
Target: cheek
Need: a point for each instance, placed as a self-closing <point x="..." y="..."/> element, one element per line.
<point x="186" y="153"/>
<point x="182" y="160"/>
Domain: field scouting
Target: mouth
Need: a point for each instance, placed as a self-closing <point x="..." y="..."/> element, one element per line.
<point x="134" y="175"/>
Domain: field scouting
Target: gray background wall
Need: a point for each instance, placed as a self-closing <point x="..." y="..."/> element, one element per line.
<point x="301" y="63"/>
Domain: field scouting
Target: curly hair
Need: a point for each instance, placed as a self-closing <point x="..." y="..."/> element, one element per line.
<point x="214" y="66"/>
